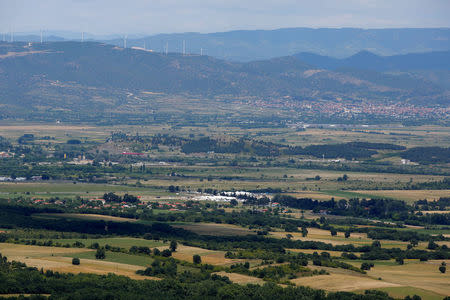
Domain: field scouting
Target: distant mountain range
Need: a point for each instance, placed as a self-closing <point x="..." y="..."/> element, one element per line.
<point x="249" y="45"/>
<point x="430" y="66"/>
<point x="369" y="61"/>
<point x="47" y="75"/>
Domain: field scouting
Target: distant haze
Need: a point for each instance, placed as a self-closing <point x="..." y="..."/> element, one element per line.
<point x="104" y="17"/>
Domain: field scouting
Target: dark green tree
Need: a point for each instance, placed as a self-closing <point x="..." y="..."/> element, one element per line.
<point x="166" y="253"/>
<point x="376" y="244"/>
<point x="173" y="246"/>
<point x="196" y="259"/>
<point x="366" y="266"/>
<point x="443" y="267"/>
<point x="432" y="245"/>
<point x="100" y="254"/>
<point x="400" y="260"/>
<point x="304" y="231"/>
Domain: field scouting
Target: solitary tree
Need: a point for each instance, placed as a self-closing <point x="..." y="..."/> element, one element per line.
<point x="432" y="245"/>
<point x="443" y="267"/>
<point x="400" y="260"/>
<point x="304" y="231"/>
<point x="376" y="244"/>
<point x="75" y="261"/>
<point x="196" y="259"/>
<point x="366" y="266"/>
<point x="173" y="246"/>
<point x="347" y="234"/>
<point x="333" y="231"/>
<point x="100" y="254"/>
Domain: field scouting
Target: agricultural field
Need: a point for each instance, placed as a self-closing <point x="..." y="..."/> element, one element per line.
<point x="134" y="201"/>
<point x="69" y="216"/>
<point x="357" y="239"/>
<point x="216" y="229"/>
<point x="60" y="260"/>
<point x="409" y="196"/>
<point x="415" y="274"/>
<point x="276" y="164"/>
<point x="399" y="285"/>
<point x="212" y="257"/>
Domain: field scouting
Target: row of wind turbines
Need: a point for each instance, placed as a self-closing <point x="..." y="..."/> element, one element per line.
<point x="9" y="37"/>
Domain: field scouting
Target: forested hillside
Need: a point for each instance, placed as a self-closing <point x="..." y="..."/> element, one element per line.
<point x="27" y="71"/>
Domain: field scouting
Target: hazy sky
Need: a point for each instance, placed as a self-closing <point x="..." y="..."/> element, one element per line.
<point x="168" y="16"/>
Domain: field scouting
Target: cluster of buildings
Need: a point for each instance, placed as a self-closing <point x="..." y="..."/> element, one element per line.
<point x="18" y="179"/>
<point x="350" y="109"/>
<point x="4" y="154"/>
<point x="11" y="179"/>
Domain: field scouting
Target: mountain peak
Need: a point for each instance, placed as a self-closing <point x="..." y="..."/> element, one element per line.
<point x="365" y="54"/>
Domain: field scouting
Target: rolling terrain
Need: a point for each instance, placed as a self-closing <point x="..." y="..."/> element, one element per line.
<point x="94" y="78"/>
<point x="249" y="45"/>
